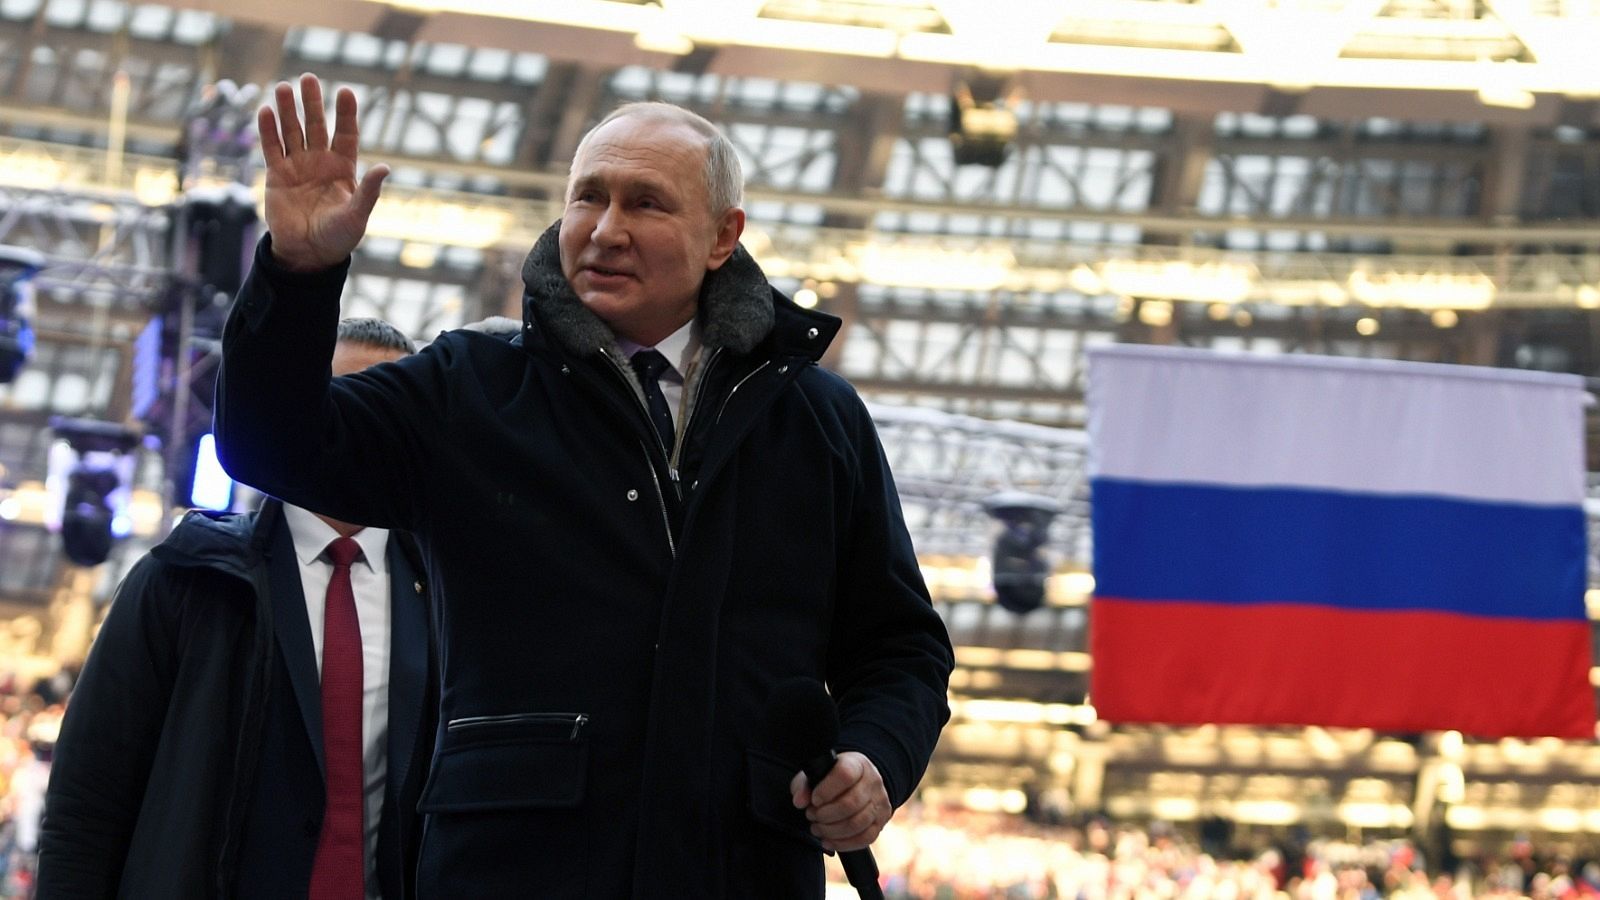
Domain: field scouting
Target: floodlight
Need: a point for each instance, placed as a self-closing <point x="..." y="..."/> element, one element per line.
<point x="18" y="265"/>
<point x="1019" y="564"/>
<point x="90" y="476"/>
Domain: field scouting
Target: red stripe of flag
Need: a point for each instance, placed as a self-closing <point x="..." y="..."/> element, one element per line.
<point x="1290" y="664"/>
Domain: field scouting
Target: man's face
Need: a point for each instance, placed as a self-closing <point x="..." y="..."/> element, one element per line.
<point x="349" y="356"/>
<point x="638" y="235"/>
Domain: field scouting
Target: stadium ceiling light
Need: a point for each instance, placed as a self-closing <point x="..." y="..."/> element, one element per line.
<point x="1291" y="45"/>
<point x="996" y="42"/>
<point x="1220" y="281"/>
<point x="1425" y="290"/>
<point x="421" y="218"/>
<point x="907" y="263"/>
<point x="1174" y="41"/>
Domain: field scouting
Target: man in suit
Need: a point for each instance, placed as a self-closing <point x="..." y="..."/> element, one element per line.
<point x="643" y="514"/>
<point x="256" y="715"/>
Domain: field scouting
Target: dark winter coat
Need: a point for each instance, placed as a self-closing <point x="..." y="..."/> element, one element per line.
<point x="612" y="620"/>
<point x="186" y="767"/>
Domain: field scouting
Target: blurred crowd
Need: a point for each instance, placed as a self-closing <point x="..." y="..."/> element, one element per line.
<point x="30" y="719"/>
<point x="942" y="853"/>
<point x="930" y="853"/>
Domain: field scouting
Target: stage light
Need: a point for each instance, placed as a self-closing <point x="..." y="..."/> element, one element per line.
<point x="1020" y="565"/>
<point x="982" y="121"/>
<point x="18" y="265"/>
<point x="212" y="488"/>
<point x="220" y="225"/>
<point x="89" y="479"/>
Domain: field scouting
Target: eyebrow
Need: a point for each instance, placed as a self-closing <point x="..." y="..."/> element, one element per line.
<point x="632" y="185"/>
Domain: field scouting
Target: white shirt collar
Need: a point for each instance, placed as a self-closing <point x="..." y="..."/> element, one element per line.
<point x="680" y="347"/>
<point x="312" y="536"/>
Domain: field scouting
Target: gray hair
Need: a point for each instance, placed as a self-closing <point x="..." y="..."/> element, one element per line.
<point x="723" y="173"/>
<point x="375" y="333"/>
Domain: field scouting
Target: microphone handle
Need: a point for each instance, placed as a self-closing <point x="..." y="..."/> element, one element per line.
<point x="861" y="870"/>
<point x="859" y="867"/>
<point x="818" y="767"/>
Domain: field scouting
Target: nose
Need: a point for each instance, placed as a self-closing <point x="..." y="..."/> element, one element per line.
<point x="610" y="227"/>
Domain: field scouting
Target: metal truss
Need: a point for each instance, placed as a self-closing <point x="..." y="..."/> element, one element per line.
<point x="972" y="289"/>
<point x="975" y="289"/>
<point x="1273" y="212"/>
<point x="946" y="465"/>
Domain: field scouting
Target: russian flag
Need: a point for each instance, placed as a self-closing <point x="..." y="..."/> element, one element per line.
<point x="1309" y="540"/>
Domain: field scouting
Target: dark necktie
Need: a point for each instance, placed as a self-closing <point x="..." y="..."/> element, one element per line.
<point x="648" y="365"/>
<point x="339" y="870"/>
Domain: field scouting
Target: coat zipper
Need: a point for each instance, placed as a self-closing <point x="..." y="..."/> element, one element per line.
<point x="661" y="498"/>
<point x="689" y="411"/>
<point x="726" y="400"/>
<point x="666" y="520"/>
<point x="578" y="720"/>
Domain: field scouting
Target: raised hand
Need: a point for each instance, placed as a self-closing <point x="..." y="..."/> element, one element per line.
<point x="316" y="209"/>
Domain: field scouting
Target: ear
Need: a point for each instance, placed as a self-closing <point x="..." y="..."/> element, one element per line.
<point x="729" y="226"/>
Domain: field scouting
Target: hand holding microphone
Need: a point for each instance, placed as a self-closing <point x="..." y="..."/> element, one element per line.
<point x="843" y="795"/>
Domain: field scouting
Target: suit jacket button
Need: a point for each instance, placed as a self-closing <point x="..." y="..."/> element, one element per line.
<point x="313" y="828"/>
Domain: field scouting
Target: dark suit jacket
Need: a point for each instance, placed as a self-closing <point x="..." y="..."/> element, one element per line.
<point x="188" y="767"/>
<point x="285" y="814"/>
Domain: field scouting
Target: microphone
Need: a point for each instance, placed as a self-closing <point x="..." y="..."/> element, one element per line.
<point x="801" y="727"/>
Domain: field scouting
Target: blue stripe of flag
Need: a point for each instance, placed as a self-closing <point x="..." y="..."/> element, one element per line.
<point x="1222" y="544"/>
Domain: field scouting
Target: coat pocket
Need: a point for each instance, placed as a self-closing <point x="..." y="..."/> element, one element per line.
<point x="777" y="856"/>
<point x="519" y="761"/>
<point x="770" y="804"/>
<point x="505" y="808"/>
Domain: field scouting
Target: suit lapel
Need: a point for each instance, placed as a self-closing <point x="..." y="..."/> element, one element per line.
<point x="408" y="664"/>
<point x="294" y="636"/>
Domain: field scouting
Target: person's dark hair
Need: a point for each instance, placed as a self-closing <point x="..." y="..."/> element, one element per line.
<point x="375" y="333"/>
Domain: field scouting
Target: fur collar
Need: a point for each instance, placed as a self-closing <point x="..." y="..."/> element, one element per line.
<point x="735" y="308"/>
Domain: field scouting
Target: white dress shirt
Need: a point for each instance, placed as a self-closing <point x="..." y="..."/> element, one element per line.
<point x="680" y="349"/>
<point x="369" y="579"/>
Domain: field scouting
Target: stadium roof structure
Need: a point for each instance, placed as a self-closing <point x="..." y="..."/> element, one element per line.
<point x="1408" y="179"/>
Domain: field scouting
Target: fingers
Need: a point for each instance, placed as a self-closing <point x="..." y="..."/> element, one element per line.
<point x="849" y="807"/>
<point x="367" y="190"/>
<point x="294" y="140"/>
<point x="848" y="770"/>
<point x="316" y="119"/>
<point x="267" y="128"/>
<point x="855" y="827"/>
<point x="346" y="126"/>
<point x="800" y="790"/>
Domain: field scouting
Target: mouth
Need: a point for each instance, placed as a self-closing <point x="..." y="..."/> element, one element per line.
<point x="607" y="272"/>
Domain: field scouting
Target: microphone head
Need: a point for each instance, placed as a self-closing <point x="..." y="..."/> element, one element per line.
<point x="801" y="722"/>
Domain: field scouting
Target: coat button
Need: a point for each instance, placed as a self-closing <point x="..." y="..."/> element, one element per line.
<point x="313" y="828"/>
<point x="566" y="370"/>
<point x="782" y="369"/>
<point x="695" y="485"/>
<point x="632" y="495"/>
<point x="811" y="334"/>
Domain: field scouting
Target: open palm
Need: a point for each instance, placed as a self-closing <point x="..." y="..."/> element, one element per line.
<point x="316" y="208"/>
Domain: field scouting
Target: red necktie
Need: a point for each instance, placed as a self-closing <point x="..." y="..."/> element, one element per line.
<point x="340" y="869"/>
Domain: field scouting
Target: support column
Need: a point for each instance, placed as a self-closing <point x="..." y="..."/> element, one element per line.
<point x="1089" y="776"/>
<point x="863" y="149"/>
<point x="250" y="53"/>
<point x="1180" y="175"/>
